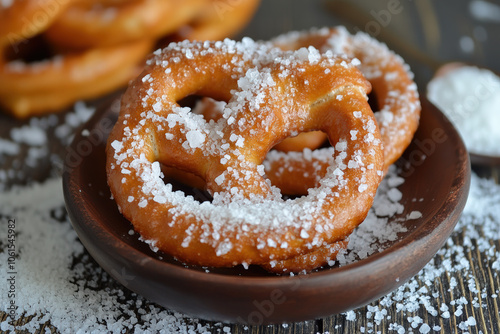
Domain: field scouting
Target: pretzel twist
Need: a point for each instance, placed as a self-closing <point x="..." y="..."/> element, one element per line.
<point x="218" y="19"/>
<point x="270" y="94"/>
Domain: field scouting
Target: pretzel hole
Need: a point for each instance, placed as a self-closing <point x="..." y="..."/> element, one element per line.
<point x="189" y="101"/>
<point x="188" y="183"/>
<point x="30" y="50"/>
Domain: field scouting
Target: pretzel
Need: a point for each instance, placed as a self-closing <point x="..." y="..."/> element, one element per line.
<point x="395" y="91"/>
<point x="97" y="23"/>
<point x="218" y="19"/>
<point x="34" y="88"/>
<point x="398" y="117"/>
<point x="270" y="94"/>
<point x="28" y="89"/>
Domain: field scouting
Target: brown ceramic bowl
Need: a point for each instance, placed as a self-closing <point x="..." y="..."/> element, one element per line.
<point x="484" y="160"/>
<point x="436" y="168"/>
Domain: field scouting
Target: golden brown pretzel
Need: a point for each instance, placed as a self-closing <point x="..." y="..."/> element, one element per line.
<point x="97" y="45"/>
<point x="270" y="94"/>
<point x="98" y="23"/>
<point x="211" y="109"/>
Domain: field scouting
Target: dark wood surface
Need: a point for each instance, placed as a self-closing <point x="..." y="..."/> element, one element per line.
<point x="279" y="16"/>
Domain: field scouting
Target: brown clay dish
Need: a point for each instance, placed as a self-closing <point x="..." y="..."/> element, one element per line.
<point x="436" y="168"/>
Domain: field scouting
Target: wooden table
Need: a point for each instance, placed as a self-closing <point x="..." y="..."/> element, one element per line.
<point x="408" y="22"/>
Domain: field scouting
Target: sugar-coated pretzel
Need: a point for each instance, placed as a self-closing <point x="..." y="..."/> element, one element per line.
<point x="28" y="89"/>
<point x="218" y="19"/>
<point x="23" y="19"/>
<point x="392" y="82"/>
<point x="98" y="23"/>
<point x="270" y="94"/>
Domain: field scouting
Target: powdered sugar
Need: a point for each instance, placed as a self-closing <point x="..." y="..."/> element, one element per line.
<point x="30" y="135"/>
<point x="470" y="98"/>
<point x="485" y="11"/>
<point x="6" y="3"/>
